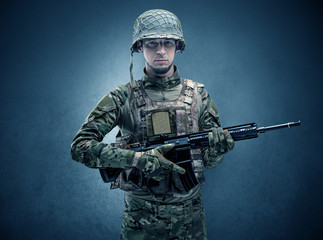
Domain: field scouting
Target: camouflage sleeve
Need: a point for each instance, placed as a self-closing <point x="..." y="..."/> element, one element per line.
<point x="209" y="118"/>
<point x="87" y="147"/>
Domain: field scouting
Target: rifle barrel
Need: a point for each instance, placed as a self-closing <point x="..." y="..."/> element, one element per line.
<point x="274" y="127"/>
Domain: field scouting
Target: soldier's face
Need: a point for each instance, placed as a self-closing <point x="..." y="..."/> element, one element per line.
<point x="159" y="55"/>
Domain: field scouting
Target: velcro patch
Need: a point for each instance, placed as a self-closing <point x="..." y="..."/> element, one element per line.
<point x="161" y="123"/>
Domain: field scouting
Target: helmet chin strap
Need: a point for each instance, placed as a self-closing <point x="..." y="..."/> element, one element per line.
<point x="132" y="81"/>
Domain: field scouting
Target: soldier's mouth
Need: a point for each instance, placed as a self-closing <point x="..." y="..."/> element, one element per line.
<point x="161" y="60"/>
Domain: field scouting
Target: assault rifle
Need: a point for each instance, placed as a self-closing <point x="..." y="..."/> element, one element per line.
<point x="180" y="154"/>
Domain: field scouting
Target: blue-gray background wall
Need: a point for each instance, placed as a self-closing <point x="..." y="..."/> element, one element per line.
<point x="261" y="61"/>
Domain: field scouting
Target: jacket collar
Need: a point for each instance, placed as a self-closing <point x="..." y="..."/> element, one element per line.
<point x="161" y="83"/>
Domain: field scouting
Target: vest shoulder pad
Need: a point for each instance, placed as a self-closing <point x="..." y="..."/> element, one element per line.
<point x="200" y="87"/>
<point x="191" y="84"/>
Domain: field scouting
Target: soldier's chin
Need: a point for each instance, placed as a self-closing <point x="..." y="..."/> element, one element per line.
<point x="161" y="70"/>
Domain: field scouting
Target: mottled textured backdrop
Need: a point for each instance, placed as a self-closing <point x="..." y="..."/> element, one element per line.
<point x="261" y="61"/>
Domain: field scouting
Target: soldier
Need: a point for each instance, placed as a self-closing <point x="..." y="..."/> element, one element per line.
<point x="157" y="206"/>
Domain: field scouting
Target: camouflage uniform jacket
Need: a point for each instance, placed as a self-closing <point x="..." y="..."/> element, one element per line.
<point x="115" y="109"/>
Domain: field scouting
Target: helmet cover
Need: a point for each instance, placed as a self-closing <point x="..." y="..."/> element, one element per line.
<point x="157" y="23"/>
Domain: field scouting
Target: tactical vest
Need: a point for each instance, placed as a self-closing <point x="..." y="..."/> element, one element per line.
<point x="153" y="118"/>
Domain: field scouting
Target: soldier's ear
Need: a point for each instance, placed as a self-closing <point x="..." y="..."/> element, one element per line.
<point x="178" y="47"/>
<point x="139" y="46"/>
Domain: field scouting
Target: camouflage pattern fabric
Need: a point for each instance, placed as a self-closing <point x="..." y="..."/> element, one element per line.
<point x="220" y="143"/>
<point x="87" y="146"/>
<point x="155" y="165"/>
<point x="145" y="220"/>
<point x="115" y="109"/>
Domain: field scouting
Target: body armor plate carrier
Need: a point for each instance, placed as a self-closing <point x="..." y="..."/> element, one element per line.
<point x="153" y="118"/>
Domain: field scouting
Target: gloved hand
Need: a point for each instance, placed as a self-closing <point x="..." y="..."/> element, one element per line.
<point x="155" y="165"/>
<point x="220" y="141"/>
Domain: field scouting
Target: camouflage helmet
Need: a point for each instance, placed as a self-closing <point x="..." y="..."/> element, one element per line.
<point x="157" y="23"/>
